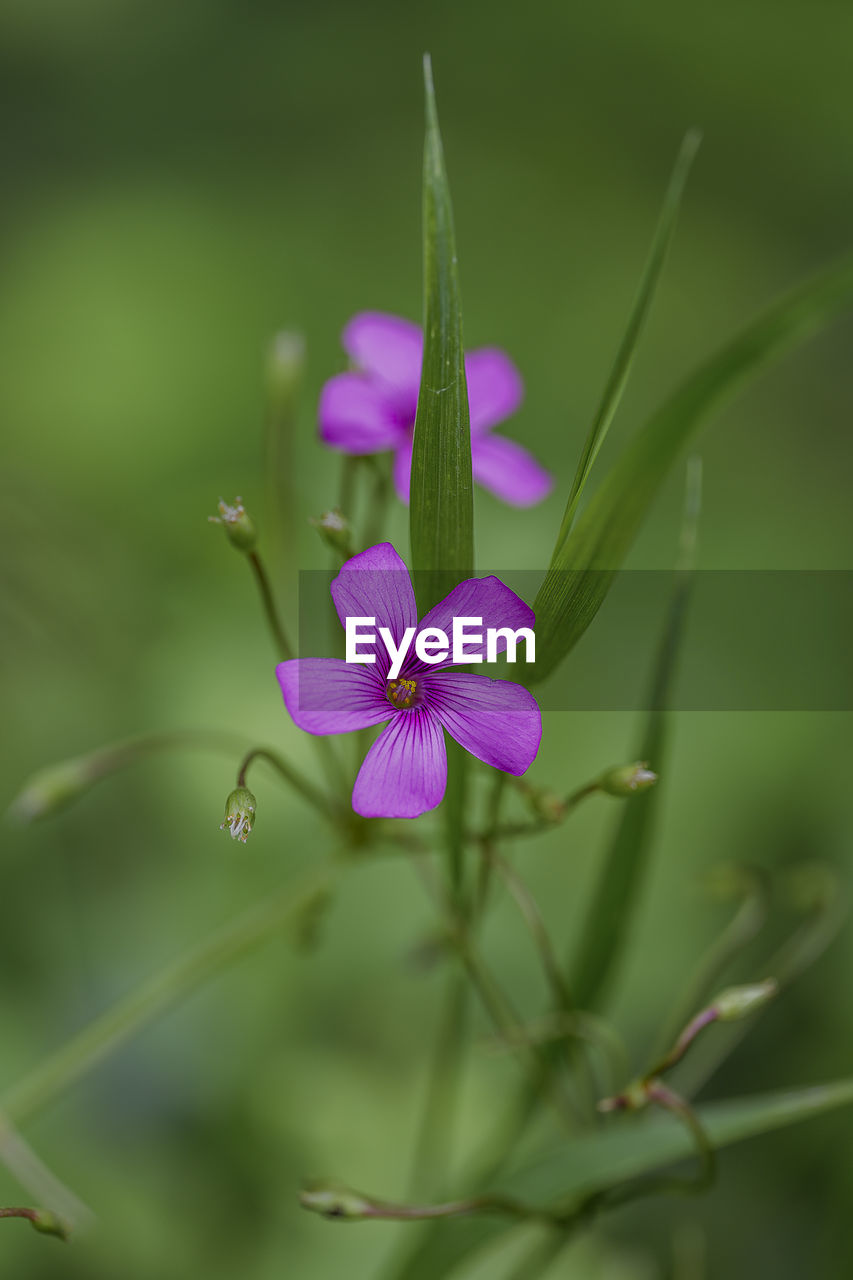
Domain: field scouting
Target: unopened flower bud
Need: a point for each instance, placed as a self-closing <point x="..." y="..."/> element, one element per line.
<point x="738" y="1002"/>
<point x="633" y="1098"/>
<point x="334" y="528"/>
<point x="239" y="814"/>
<point x="334" y="1200"/>
<point x="544" y="805"/>
<point x="50" y="1224"/>
<point x="627" y="779"/>
<point x="238" y="524"/>
<point x="53" y="788"/>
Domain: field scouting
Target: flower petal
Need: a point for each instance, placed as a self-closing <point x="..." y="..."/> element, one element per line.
<point x="328" y="695"/>
<point x="498" y="721"/>
<point x="486" y="598"/>
<point x="405" y="771"/>
<point x="358" y="415"/>
<point x="495" y="389"/>
<point x="509" y="471"/>
<point x="403" y="470"/>
<point x="376" y="584"/>
<point x="390" y="349"/>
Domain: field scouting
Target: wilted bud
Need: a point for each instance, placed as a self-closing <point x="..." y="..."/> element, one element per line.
<point x="238" y="524"/>
<point x="239" y="814"/>
<point x="334" y="528"/>
<point x="738" y="1002"/>
<point x="333" y="1200"/>
<point x="53" y="788"/>
<point x="627" y="779"/>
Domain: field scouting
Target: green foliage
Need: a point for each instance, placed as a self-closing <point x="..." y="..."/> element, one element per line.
<point x="617" y="899"/>
<point x="442" y="512"/>
<point x="584" y="562"/>
<point x="618" y="377"/>
<point x="628" y="1149"/>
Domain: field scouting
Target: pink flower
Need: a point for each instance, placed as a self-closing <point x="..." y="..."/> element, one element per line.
<point x="405" y="771"/>
<point x="373" y="408"/>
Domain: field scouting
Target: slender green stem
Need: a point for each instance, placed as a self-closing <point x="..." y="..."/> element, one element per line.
<point x="51" y="789"/>
<point x="432" y="1149"/>
<point x="285" y="363"/>
<point x="557" y="984"/>
<point x="285" y="649"/>
<point x="493" y="814"/>
<point x="325" y="752"/>
<point x="378" y="498"/>
<point x="333" y="1201"/>
<point x="509" y="1025"/>
<point x="738" y="933"/>
<point x="532" y="917"/>
<point x="346" y="490"/>
<point x="291" y="775"/>
<point x="453" y="810"/>
<point x="518" y="830"/>
<point x="805" y="945"/>
<point x="152" y="998"/>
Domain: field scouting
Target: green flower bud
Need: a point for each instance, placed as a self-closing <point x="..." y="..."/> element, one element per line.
<point x="334" y="528"/>
<point x="238" y="524"/>
<point x="239" y="814"/>
<point x="627" y="779"/>
<point x="49" y="1224"/>
<point x="333" y="1200"/>
<point x="53" y="788"/>
<point x="739" y="1002"/>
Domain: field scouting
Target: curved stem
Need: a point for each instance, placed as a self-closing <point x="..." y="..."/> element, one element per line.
<point x="290" y="774"/>
<point x="285" y="649"/>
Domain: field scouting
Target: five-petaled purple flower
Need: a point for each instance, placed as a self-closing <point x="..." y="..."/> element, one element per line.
<point x="372" y="408"/>
<point x="405" y="771"/>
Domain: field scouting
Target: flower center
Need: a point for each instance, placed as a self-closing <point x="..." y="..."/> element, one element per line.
<point x="403" y="693"/>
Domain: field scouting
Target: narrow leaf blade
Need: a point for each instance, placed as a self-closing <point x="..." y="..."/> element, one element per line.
<point x="441" y="512"/>
<point x="618" y="892"/>
<point x="596" y="1161"/>
<point x="618" y="378"/>
<point x="582" y="568"/>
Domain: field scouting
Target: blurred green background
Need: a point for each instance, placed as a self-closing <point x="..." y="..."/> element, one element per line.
<point x="182" y="180"/>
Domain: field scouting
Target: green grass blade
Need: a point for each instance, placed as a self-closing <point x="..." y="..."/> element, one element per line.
<point x="441" y="512"/>
<point x="582" y="567"/>
<point x="617" y="895"/>
<point x="642" y="304"/>
<point x="628" y="1149"/>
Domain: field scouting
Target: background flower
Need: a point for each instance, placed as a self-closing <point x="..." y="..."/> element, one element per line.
<point x="373" y="407"/>
<point x="405" y="771"/>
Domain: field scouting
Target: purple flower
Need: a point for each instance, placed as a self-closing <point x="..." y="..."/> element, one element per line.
<point x="373" y="408"/>
<point x="405" y="771"/>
